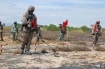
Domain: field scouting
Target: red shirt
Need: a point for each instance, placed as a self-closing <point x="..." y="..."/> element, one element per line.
<point x="96" y="27"/>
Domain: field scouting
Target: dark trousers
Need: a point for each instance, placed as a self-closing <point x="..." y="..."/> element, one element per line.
<point x="1" y="35"/>
<point x="27" y="37"/>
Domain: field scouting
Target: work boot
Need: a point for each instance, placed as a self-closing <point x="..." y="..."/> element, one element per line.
<point x="28" y="53"/>
<point x="22" y="52"/>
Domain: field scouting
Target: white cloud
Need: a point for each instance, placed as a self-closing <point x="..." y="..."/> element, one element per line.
<point x="78" y="12"/>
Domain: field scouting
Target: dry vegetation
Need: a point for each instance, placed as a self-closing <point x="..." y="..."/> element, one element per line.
<point x="78" y="38"/>
<point x="72" y="48"/>
<point x="54" y="35"/>
<point x="16" y="52"/>
<point x="81" y="43"/>
<point x="75" y="50"/>
<point x="99" y="49"/>
<point x="63" y="49"/>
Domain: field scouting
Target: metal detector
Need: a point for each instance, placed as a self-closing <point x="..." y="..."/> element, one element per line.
<point x="49" y="46"/>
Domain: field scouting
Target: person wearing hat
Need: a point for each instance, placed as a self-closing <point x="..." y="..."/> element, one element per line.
<point x="29" y="21"/>
<point x="97" y="28"/>
<point x="14" y="31"/>
<point x="38" y="33"/>
<point x="1" y="31"/>
<point x="63" y="32"/>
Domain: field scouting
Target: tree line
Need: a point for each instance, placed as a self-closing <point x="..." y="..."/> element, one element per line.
<point x="53" y="27"/>
<point x="83" y="28"/>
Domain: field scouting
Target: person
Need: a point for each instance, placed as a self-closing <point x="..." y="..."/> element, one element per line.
<point x="97" y="28"/>
<point x="1" y="31"/>
<point x="39" y="34"/>
<point x="30" y="25"/>
<point x="14" y="31"/>
<point x="63" y="32"/>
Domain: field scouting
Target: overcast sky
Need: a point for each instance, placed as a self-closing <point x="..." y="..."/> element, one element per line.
<point x="78" y="12"/>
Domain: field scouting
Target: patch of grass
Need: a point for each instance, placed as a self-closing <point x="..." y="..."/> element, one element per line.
<point x="18" y="41"/>
<point x="62" y="43"/>
<point x="16" y="52"/>
<point x="99" y="49"/>
<point x="72" y="48"/>
<point x="63" y="49"/>
<point x="80" y="48"/>
<point x="81" y="43"/>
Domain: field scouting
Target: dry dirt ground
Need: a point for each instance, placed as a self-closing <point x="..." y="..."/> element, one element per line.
<point x="64" y="60"/>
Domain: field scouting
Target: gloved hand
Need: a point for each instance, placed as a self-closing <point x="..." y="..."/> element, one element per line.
<point x="32" y="29"/>
<point x="29" y="25"/>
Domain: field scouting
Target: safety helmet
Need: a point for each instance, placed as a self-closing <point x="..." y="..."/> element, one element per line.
<point x="15" y="22"/>
<point x="31" y="8"/>
<point x="98" y="22"/>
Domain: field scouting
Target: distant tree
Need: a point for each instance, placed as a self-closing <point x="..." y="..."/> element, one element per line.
<point x="41" y="25"/>
<point x="70" y="28"/>
<point x="45" y="26"/>
<point x="84" y="28"/>
<point x="52" y="27"/>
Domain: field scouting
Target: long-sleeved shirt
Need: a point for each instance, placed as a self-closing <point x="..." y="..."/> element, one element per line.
<point x="14" y="28"/>
<point x="26" y="17"/>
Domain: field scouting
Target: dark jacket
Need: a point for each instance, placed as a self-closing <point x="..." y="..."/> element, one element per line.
<point x="63" y="30"/>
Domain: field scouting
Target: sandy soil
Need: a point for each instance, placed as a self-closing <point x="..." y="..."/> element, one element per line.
<point x="38" y="60"/>
<point x="63" y="60"/>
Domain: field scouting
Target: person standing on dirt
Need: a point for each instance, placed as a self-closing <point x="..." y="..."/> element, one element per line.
<point x="1" y="31"/>
<point x="97" y="28"/>
<point x="38" y="33"/>
<point x="63" y="32"/>
<point x="14" y="31"/>
<point x="30" y="23"/>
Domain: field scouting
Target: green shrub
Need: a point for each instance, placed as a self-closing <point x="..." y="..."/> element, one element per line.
<point x="52" y="27"/>
<point x="72" y="48"/>
<point x="85" y="28"/>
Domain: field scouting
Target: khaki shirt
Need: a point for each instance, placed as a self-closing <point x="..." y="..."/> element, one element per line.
<point x="26" y="16"/>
